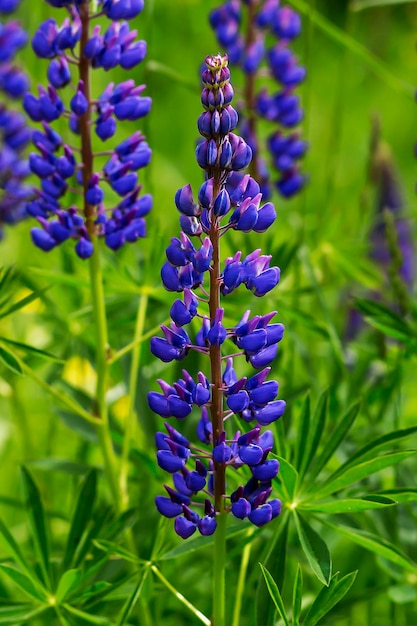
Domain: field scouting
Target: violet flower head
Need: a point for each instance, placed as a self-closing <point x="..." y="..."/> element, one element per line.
<point x="14" y="132"/>
<point x="77" y="166"/>
<point x="227" y="200"/>
<point x="257" y="37"/>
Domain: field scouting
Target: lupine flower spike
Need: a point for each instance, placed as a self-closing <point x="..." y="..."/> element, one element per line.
<point x="14" y="132"/>
<point x="66" y="169"/>
<point x="227" y="200"/>
<point x="262" y="48"/>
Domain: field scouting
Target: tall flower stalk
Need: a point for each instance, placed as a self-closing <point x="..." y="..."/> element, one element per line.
<point x="257" y="35"/>
<point x="14" y="131"/>
<point x="227" y="200"/>
<point x="83" y="170"/>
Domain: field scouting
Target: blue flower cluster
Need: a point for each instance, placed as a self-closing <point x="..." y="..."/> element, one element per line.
<point x="270" y="29"/>
<point x="227" y="200"/>
<point x="68" y="169"/>
<point x="14" y="132"/>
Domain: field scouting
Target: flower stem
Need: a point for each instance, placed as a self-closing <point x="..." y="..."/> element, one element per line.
<point x="130" y="420"/>
<point x="219" y="578"/>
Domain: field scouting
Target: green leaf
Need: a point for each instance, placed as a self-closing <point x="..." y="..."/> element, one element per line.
<point x="10" y="361"/>
<point x="328" y="598"/>
<point x="383" y="319"/>
<point x="332" y="443"/>
<point x="82" y="515"/>
<point x="297" y="597"/>
<point x="402" y="594"/>
<point x="359" y="472"/>
<point x="405" y="494"/>
<point x="315" y="549"/>
<point x="21" y="616"/>
<point x="347" y="505"/>
<point x="36" y="351"/>
<point x="98" y="590"/>
<point x="287" y="477"/>
<point x="375" y="544"/>
<point x="317" y="429"/>
<point x="368" y="451"/>
<point x="14" y="549"/>
<point x="113" y="548"/>
<point x="187" y="547"/>
<point x="22" y="303"/>
<point x="303" y="429"/>
<point x="30" y="587"/>
<point x="87" y="617"/>
<point x="36" y="516"/>
<point x="69" y="581"/>
<point x="275" y="594"/>
<point x="360" y="5"/>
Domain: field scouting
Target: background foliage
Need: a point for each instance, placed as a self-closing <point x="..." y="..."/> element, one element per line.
<point x="346" y="442"/>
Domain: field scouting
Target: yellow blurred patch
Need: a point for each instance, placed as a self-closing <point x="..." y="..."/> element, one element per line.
<point x="79" y="373"/>
<point x="121" y="408"/>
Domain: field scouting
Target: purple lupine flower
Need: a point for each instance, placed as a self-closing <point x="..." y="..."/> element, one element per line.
<point x="73" y="165"/>
<point x="266" y="21"/>
<point x="227" y="200"/>
<point x="14" y="133"/>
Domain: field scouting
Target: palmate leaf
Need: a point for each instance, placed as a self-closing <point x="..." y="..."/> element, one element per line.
<point x="348" y="505"/>
<point x="26" y="584"/>
<point x="332" y="443"/>
<point x="368" y="451"/>
<point x="287" y="478"/>
<point x="358" y="472"/>
<point x="374" y="543"/>
<point x="37" y="522"/>
<point x="8" y="540"/>
<point x="275" y="594"/>
<point x="82" y="515"/>
<point x="69" y="581"/>
<point x="303" y="430"/>
<point x="328" y="598"/>
<point x="113" y="548"/>
<point x="315" y="549"/>
<point x="317" y="428"/>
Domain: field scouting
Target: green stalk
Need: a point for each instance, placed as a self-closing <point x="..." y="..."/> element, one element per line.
<point x="103" y="429"/>
<point x="130" y="420"/>
<point x="242" y="578"/>
<point x="219" y="578"/>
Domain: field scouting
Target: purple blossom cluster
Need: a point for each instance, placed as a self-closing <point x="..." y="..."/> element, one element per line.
<point x="14" y="132"/>
<point x="67" y="169"/>
<point x="264" y="49"/>
<point x="227" y="200"/>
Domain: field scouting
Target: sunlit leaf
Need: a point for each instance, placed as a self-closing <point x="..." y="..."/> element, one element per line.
<point x="303" y="430"/>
